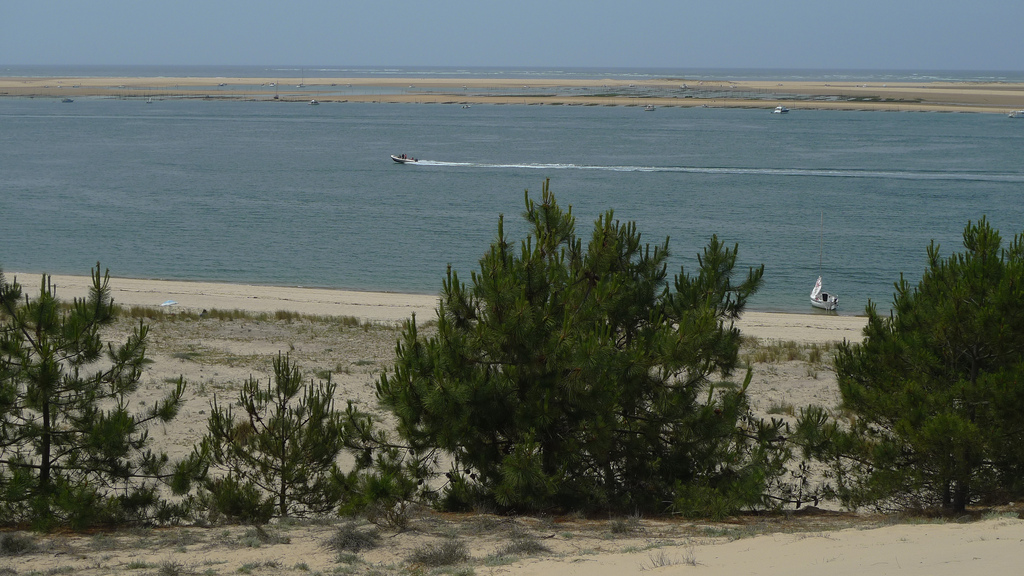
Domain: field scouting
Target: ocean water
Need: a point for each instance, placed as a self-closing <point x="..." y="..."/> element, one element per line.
<point x="297" y="195"/>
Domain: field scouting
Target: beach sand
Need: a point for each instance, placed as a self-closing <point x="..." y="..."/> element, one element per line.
<point x="385" y="307"/>
<point x="989" y="97"/>
<point x="216" y="355"/>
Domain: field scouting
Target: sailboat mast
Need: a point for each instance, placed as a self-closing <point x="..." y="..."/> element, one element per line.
<point x="821" y="241"/>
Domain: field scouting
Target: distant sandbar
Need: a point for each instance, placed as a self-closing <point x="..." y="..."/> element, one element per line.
<point x="987" y="97"/>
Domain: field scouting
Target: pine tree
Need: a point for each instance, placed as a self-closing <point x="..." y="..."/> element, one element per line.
<point x="279" y="458"/>
<point x="575" y="377"/>
<point x="71" y="451"/>
<point x="936" y="388"/>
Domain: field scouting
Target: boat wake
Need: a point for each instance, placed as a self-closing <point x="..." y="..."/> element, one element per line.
<point x="796" y="172"/>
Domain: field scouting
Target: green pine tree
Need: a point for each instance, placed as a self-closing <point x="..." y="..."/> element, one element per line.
<point x="280" y="457"/>
<point x="71" y="451"/>
<point x="936" y="389"/>
<point x="577" y="376"/>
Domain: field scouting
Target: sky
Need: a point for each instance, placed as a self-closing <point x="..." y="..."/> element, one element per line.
<point x="679" y="34"/>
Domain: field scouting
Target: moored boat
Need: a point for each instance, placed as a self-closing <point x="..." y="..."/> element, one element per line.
<point x="820" y="299"/>
<point x="780" y="110"/>
<point x="823" y="300"/>
<point x="1017" y="114"/>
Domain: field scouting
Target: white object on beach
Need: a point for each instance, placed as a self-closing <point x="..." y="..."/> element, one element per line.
<point x="169" y="303"/>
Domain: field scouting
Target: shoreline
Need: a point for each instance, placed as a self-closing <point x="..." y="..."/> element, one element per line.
<point x="382" y="307"/>
<point x="983" y="97"/>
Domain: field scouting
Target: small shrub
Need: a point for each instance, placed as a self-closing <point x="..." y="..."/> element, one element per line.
<point x="257" y="536"/>
<point x="346" y="558"/>
<point x="661" y="559"/>
<point x="445" y="553"/>
<point x="624" y="525"/>
<point x="782" y="408"/>
<point x="16" y="545"/>
<point x="349" y="538"/>
<point x="522" y="545"/>
<point x="172" y="568"/>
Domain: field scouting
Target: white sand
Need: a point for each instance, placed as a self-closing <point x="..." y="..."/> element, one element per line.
<point x="386" y="306"/>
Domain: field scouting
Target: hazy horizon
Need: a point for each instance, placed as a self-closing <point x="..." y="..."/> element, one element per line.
<point x="869" y="35"/>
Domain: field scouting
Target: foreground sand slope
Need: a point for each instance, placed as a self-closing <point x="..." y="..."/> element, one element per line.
<point x="216" y="356"/>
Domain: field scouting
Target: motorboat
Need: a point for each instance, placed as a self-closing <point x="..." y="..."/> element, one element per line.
<point x="780" y="110"/>
<point x="823" y="300"/>
<point x="1017" y="114"/>
<point x="314" y="102"/>
<point x="403" y="159"/>
<point x="649" y="108"/>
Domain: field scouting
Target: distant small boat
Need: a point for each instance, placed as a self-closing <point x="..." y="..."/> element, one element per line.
<point x="403" y="159"/>
<point x="67" y="100"/>
<point x="780" y="110"/>
<point x="1017" y="114"/>
<point x="149" y="100"/>
<point x="465" y="106"/>
<point x="649" y="108"/>
<point x="313" y="102"/>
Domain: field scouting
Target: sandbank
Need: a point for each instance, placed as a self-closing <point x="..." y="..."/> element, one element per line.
<point x="385" y="307"/>
<point x="988" y="97"/>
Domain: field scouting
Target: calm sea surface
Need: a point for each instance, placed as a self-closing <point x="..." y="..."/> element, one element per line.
<point x="291" y="194"/>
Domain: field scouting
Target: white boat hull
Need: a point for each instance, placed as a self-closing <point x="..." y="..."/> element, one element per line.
<point x="402" y="160"/>
<point x="823" y="300"/>
<point x="830" y="304"/>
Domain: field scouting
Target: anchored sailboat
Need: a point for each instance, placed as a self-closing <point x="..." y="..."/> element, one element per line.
<point x="820" y="299"/>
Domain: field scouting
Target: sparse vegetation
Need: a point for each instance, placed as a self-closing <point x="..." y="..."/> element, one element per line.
<point x="522" y="544"/>
<point x="258" y="536"/>
<point x="174" y="568"/>
<point x="782" y="408"/>
<point x="447" y="552"/>
<point x="349" y="537"/>
<point x="14" y="544"/>
<point x="773" y="352"/>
